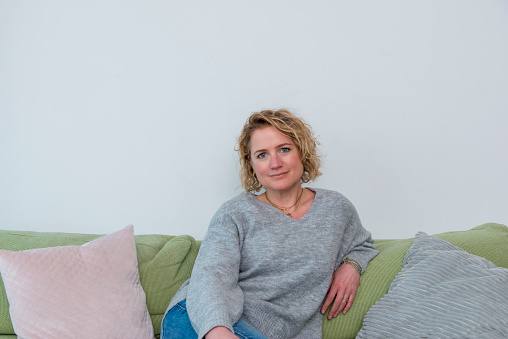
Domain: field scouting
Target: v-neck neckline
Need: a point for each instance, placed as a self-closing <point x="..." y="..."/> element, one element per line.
<point x="273" y="209"/>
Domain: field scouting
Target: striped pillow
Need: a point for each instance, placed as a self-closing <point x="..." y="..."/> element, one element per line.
<point x="442" y="291"/>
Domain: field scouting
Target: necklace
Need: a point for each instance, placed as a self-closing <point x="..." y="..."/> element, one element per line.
<point x="286" y="209"/>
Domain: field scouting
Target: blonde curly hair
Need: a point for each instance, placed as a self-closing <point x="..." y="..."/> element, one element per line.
<point x="288" y="124"/>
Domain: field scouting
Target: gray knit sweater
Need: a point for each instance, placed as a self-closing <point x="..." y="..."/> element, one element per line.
<point x="272" y="271"/>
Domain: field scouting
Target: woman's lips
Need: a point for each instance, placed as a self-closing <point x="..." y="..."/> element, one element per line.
<point x="278" y="175"/>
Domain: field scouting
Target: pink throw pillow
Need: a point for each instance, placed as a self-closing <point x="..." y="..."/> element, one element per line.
<point x="88" y="291"/>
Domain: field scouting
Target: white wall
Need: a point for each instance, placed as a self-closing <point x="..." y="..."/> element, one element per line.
<point x="119" y="112"/>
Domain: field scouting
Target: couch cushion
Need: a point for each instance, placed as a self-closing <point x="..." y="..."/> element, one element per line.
<point x="489" y="241"/>
<point x="442" y="291"/>
<point x="92" y="290"/>
<point x="164" y="263"/>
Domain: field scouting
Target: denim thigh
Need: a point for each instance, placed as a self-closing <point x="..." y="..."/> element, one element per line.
<point x="244" y="330"/>
<point x="176" y="325"/>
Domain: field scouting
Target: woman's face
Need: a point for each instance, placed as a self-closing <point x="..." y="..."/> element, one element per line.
<point x="276" y="159"/>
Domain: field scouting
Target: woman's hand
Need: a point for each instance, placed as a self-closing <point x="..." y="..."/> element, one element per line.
<point x="220" y="332"/>
<point x="343" y="289"/>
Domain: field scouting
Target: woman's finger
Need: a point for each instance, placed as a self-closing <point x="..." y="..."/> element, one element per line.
<point x="349" y="303"/>
<point x="338" y="306"/>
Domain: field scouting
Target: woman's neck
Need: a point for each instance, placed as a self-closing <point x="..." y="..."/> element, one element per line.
<point x="296" y="205"/>
<point x="285" y="198"/>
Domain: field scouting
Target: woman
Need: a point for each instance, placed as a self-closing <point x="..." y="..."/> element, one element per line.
<point x="271" y="264"/>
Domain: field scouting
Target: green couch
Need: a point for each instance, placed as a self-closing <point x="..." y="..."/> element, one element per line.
<point x="165" y="262"/>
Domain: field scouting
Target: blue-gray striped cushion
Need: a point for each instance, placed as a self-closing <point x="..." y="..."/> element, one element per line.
<point x="442" y="291"/>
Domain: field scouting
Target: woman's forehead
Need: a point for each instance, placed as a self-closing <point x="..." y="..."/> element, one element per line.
<point x="267" y="137"/>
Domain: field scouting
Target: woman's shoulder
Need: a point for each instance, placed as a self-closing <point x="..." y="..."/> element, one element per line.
<point x="238" y="203"/>
<point x="232" y="213"/>
<point x="326" y="193"/>
<point x="327" y="197"/>
<point x="241" y="199"/>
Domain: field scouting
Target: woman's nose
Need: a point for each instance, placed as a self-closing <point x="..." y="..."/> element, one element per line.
<point x="275" y="162"/>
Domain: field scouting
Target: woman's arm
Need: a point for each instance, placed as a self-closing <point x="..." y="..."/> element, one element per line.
<point x="342" y="288"/>
<point x="214" y="298"/>
<point x="357" y="246"/>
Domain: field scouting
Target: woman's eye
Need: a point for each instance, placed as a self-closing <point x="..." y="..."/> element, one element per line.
<point x="261" y="155"/>
<point x="284" y="149"/>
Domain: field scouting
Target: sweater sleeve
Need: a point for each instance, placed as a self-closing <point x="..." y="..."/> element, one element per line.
<point x="214" y="297"/>
<point x="357" y="242"/>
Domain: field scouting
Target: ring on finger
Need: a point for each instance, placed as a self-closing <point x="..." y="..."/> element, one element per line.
<point x="344" y="300"/>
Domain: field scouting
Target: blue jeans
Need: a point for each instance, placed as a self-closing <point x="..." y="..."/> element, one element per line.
<point x="176" y="325"/>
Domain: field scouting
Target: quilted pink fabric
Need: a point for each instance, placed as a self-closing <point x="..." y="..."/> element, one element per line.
<point x="88" y="291"/>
